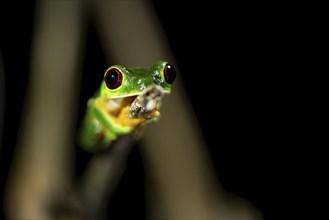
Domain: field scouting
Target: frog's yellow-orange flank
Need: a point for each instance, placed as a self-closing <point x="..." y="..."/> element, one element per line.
<point x="127" y="99"/>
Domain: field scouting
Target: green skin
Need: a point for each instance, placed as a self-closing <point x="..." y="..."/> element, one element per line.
<point x="98" y="130"/>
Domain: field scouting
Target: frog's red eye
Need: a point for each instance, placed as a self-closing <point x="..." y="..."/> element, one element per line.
<point x="113" y="78"/>
<point x="169" y="73"/>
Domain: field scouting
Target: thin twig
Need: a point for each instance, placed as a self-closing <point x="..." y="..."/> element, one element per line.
<point x="99" y="180"/>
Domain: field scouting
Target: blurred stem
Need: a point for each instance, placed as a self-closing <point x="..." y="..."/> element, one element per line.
<point x="41" y="167"/>
<point x="102" y="176"/>
<point x="89" y="195"/>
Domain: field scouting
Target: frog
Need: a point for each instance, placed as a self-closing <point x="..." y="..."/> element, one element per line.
<point x="126" y="101"/>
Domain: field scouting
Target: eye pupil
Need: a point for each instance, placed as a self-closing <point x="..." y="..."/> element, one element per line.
<point x="169" y="73"/>
<point x="113" y="78"/>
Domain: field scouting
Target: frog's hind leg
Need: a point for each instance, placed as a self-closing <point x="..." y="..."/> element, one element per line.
<point x="92" y="136"/>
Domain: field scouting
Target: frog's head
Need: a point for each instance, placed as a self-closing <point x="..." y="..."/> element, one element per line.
<point x="141" y="88"/>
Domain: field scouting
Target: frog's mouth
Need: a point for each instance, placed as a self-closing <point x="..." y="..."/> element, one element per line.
<point x="133" y="109"/>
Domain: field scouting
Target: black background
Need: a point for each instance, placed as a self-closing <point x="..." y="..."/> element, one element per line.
<point x="231" y="58"/>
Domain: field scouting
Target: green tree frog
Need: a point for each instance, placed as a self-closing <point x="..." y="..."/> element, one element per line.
<point x="128" y="98"/>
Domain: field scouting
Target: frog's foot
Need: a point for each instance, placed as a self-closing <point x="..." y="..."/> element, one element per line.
<point x="146" y="103"/>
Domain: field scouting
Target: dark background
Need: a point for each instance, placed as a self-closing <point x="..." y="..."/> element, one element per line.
<point x="232" y="60"/>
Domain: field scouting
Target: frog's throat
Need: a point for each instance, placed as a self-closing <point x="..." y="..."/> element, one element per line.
<point x="115" y="105"/>
<point x="115" y="111"/>
<point x="130" y="111"/>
